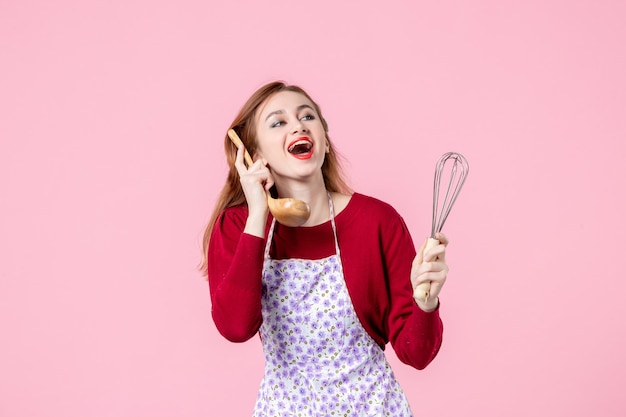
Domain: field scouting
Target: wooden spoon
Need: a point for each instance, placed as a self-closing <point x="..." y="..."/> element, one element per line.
<point x="287" y="211"/>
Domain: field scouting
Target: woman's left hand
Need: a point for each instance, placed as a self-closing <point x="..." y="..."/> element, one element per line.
<point x="430" y="267"/>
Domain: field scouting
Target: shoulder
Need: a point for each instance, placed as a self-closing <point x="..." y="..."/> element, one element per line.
<point x="365" y="214"/>
<point x="231" y="219"/>
<point x="361" y="204"/>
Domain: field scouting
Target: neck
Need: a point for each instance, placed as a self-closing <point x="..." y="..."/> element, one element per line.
<point x="314" y="195"/>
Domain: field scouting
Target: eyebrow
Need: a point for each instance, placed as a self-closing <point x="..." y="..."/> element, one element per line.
<point x="300" y="107"/>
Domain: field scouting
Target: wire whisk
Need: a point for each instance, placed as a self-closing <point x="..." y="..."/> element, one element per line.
<point x="458" y="174"/>
<point x="441" y="210"/>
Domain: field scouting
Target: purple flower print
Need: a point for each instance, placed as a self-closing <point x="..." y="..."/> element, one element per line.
<point x="345" y="379"/>
<point x="310" y="331"/>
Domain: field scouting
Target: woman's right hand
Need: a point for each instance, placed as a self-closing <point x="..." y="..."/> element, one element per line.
<point x="255" y="180"/>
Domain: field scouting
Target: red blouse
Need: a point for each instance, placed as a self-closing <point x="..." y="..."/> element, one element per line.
<point x="376" y="253"/>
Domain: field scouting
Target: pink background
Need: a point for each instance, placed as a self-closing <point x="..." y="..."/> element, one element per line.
<point x="112" y="115"/>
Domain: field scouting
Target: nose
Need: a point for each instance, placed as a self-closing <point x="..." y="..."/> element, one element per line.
<point x="299" y="127"/>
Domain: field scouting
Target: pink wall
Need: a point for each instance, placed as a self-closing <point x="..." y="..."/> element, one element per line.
<point x="111" y="120"/>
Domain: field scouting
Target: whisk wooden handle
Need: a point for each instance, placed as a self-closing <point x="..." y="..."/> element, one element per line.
<point x="422" y="291"/>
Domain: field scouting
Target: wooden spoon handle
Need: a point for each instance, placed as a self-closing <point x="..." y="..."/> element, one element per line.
<point x="235" y="139"/>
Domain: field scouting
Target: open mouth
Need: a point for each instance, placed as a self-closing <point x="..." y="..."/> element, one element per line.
<point x="301" y="148"/>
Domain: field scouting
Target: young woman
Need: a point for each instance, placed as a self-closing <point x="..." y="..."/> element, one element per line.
<point x="326" y="297"/>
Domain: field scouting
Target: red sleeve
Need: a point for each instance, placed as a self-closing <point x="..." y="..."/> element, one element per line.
<point x="415" y="335"/>
<point x="235" y="264"/>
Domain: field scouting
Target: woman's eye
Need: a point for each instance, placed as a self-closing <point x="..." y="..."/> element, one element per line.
<point x="308" y="117"/>
<point x="277" y="123"/>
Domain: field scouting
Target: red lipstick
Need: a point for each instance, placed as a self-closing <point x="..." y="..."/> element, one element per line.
<point x="301" y="148"/>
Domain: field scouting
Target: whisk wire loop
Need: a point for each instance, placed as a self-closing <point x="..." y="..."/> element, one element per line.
<point x="458" y="174"/>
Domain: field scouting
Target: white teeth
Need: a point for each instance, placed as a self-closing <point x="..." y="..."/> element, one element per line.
<point x="304" y="143"/>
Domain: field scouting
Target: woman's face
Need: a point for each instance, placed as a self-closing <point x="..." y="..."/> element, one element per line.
<point x="290" y="136"/>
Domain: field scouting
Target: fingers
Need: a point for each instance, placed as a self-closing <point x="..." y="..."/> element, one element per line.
<point x="255" y="180"/>
<point x="239" y="165"/>
<point x="437" y="252"/>
<point x="427" y="253"/>
<point x="443" y="239"/>
<point x="429" y="266"/>
<point x="256" y="175"/>
<point x="428" y="271"/>
<point x="269" y="181"/>
<point x="433" y="273"/>
<point x="256" y="168"/>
